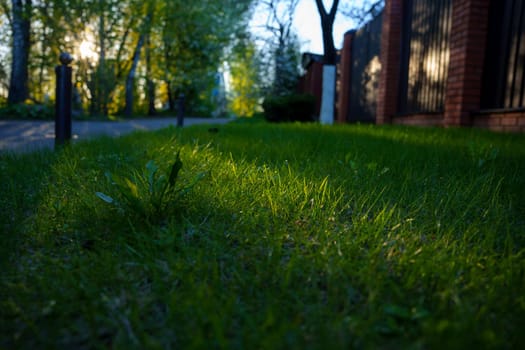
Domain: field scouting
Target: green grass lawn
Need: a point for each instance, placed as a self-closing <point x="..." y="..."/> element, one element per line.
<point x="270" y="237"/>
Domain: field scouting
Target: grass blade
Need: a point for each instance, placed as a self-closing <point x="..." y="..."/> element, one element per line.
<point x="176" y="167"/>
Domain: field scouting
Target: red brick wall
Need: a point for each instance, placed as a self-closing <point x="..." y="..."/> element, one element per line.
<point x="505" y="121"/>
<point x="390" y="61"/>
<point x="495" y="121"/>
<point x="345" y="78"/>
<point x="467" y="52"/>
<point x="312" y="83"/>
<point x="434" y="119"/>
<point x="465" y="72"/>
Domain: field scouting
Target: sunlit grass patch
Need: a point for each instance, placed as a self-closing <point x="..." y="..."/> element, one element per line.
<point x="297" y="236"/>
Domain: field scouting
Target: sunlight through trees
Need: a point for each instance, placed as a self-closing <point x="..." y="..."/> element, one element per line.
<point x="130" y="56"/>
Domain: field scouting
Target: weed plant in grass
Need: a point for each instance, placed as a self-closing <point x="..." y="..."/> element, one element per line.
<point x="298" y="236"/>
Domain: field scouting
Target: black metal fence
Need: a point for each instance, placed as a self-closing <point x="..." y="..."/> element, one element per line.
<point x="425" y="55"/>
<point x="504" y="72"/>
<point x="366" y="67"/>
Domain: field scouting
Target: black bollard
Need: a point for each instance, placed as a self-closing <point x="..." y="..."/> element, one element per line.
<point x="180" y="111"/>
<point x="63" y="100"/>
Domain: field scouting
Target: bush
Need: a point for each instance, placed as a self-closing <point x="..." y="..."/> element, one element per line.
<point x="28" y="111"/>
<point x="289" y="108"/>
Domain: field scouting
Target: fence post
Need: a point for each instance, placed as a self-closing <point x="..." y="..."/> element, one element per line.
<point x="387" y="91"/>
<point x="468" y="39"/>
<point x="345" y="86"/>
<point x="63" y="100"/>
<point x="180" y="110"/>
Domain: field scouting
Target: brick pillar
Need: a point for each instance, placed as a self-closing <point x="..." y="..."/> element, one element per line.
<point x="390" y="61"/>
<point x="467" y="51"/>
<point x="343" y="100"/>
<point x="316" y="85"/>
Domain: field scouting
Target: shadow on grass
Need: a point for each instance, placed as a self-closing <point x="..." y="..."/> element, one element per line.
<point x="306" y="235"/>
<point x="24" y="178"/>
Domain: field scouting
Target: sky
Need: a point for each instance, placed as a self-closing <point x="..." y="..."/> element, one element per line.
<point x="308" y="25"/>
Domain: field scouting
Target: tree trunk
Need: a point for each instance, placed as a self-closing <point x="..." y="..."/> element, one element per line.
<point x="98" y="103"/>
<point x="328" y="98"/>
<point x="171" y="97"/>
<point x="42" y="67"/>
<point x="130" y="80"/>
<point x="151" y="98"/>
<point x="44" y="46"/>
<point x="21" y="27"/>
<point x="329" y="61"/>
<point x="150" y="84"/>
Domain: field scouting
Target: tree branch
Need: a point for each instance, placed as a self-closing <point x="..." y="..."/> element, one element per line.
<point x="320" y="8"/>
<point x="362" y="14"/>
<point x="333" y="10"/>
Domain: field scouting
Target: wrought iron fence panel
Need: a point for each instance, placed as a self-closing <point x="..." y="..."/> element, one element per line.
<point x="366" y="67"/>
<point x="504" y="71"/>
<point x="425" y="55"/>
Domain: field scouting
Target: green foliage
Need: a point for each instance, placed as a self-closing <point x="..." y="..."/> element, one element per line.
<point x="196" y="40"/>
<point x="287" y="60"/>
<point x="149" y="195"/>
<point x="244" y="70"/>
<point x="289" y="108"/>
<point x="282" y="48"/>
<point x="185" y="44"/>
<point x="28" y="111"/>
<point x="301" y="236"/>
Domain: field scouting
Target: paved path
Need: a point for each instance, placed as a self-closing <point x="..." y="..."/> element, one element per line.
<point x="31" y="135"/>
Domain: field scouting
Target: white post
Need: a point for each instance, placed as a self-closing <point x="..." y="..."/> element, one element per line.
<point x="328" y="99"/>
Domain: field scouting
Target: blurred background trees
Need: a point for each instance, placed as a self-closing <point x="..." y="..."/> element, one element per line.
<point x="136" y="57"/>
<point x="131" y="56"/>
